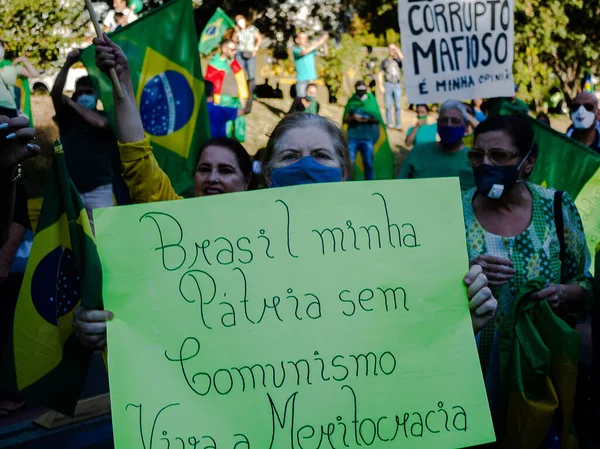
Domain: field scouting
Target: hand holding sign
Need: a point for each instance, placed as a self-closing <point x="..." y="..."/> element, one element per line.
<point x="324" y="321"/>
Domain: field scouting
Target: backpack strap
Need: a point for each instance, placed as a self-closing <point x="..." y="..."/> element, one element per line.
<point x="559" y="222"/>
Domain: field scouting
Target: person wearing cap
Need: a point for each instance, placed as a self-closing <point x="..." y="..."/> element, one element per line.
<point x="363" y="129"/>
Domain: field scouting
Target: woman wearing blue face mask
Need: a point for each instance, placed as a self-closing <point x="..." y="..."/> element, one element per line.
<point x="520" y="232"/>
<point x="446" y="158"/>
<point x="303" y="149"/>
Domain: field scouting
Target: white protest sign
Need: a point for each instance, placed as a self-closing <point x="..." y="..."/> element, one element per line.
<point x="457" y="49"/>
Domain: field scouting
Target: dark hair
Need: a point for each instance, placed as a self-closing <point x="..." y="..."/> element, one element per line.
<point x="422" y="105"/>
<point x="360" y="83"/>
<point x="518" y="129"/>
<point x="84" y="81"/>
<point x="309" y="85"/>
<point x="301" y="120"/>
<point x="369" y="49"/>
<point x="209" y="88"/>
<point x="242" y="156"/>
<point x="543" y="117"/>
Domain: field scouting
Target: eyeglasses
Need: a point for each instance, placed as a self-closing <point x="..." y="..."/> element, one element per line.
<point x="495" y="156"/>
<point x="588" y="107"/>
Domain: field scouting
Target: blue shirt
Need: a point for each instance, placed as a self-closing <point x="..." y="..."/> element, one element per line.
<point x="218" y="117"/>
<point x="305" y="65"/>
<point x="480" y="116"/>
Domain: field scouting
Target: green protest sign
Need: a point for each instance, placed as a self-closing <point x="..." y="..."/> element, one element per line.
<point x="321" y="316"/>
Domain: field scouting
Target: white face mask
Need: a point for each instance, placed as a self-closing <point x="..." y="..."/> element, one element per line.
<point x="1" y="53"/>
<point x="582" y="118"/>
<point x="241" y="23"/>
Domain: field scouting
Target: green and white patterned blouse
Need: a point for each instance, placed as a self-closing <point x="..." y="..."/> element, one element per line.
<point x="535" y="253"/>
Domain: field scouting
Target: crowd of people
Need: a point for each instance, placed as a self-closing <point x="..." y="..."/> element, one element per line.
<point x="516" y="231"/>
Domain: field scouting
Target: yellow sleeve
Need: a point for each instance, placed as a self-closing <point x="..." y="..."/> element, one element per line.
<point x="144" y="178"/>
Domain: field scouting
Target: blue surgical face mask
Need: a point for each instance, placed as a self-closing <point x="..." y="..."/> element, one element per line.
<point x="306" y="171"/>
<point x="451" y="135"/>
<point x="87" y="101"/>
<point x="494" y="181"/>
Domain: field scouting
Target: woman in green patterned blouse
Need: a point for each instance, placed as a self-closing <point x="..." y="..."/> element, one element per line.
<point x="511" y="228"/>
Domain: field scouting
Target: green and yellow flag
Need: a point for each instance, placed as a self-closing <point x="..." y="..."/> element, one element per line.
<point x="167" y="78"/>
<point x="47" y="362"/>
<point x="214" y="31"/>
<point x="565" y="164"/>
<point x="383" y="159"/>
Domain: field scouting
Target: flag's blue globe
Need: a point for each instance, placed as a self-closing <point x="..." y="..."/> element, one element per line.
<point x="211" y="30"/>
<point x="167" y="103"/>
<point x="55" y="285"/>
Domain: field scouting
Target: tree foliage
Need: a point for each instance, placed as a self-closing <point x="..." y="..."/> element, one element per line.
<point x="556" y="42"/>
<point x="39" y="28"/>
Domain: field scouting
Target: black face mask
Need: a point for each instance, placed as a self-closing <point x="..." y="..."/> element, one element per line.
<point x="361" y="92"/>
<point x="494" y="181"/>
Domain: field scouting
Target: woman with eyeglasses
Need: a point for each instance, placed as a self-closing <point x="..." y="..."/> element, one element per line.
<point x="513" y="230"/>
<point x="446" y="158"/>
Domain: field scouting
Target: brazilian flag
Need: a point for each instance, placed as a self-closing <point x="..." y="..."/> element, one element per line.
<point x="214" y="31"/>
<point x="47" y="363"/>
<point x="22" y="94"/>
<point x="383" y="159"/>
<point x="165" y="69"/>
<point x="565" y="164"/>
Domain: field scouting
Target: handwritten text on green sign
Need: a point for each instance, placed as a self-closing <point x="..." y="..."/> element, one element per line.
<point x="314" y="317"/>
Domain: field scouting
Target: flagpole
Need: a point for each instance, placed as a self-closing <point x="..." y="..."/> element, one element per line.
<point x="112" y="72"/>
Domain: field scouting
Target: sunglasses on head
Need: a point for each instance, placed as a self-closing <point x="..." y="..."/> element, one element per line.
<point x="588" y="107"/>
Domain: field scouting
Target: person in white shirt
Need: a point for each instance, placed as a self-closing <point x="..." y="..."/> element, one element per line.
<point x="112" y="21"/>
<point x="9" y="73"/>
<point x="248" y="40"/>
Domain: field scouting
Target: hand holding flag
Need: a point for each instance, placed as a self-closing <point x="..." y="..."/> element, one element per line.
<point x="112" y="74"/>
<point x="15" y="138"/>
<point x="110" y="57"/>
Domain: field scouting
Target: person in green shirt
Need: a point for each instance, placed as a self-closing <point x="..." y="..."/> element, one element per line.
<point x="446" y="158"/>
<point x="307" y="104"/>
<point x="423" y="131"/>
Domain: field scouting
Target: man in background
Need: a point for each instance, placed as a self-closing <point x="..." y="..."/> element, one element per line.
<point x="90" y="146"/>
<point x="390" y="85"/>
<point x="584" y="114"/>
<point x="304" y="57"/>
<point x="121" y="15"/>
<point x="363" y="127"/>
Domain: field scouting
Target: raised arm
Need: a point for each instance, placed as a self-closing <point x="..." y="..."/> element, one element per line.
<point x="58" y="98"/>
<point x="412" y="135"/>
<point x="13" y="151"/>
<point x="146" y="181"/>
<point x="315" y="45"/>
<point x="28" y="70"/>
